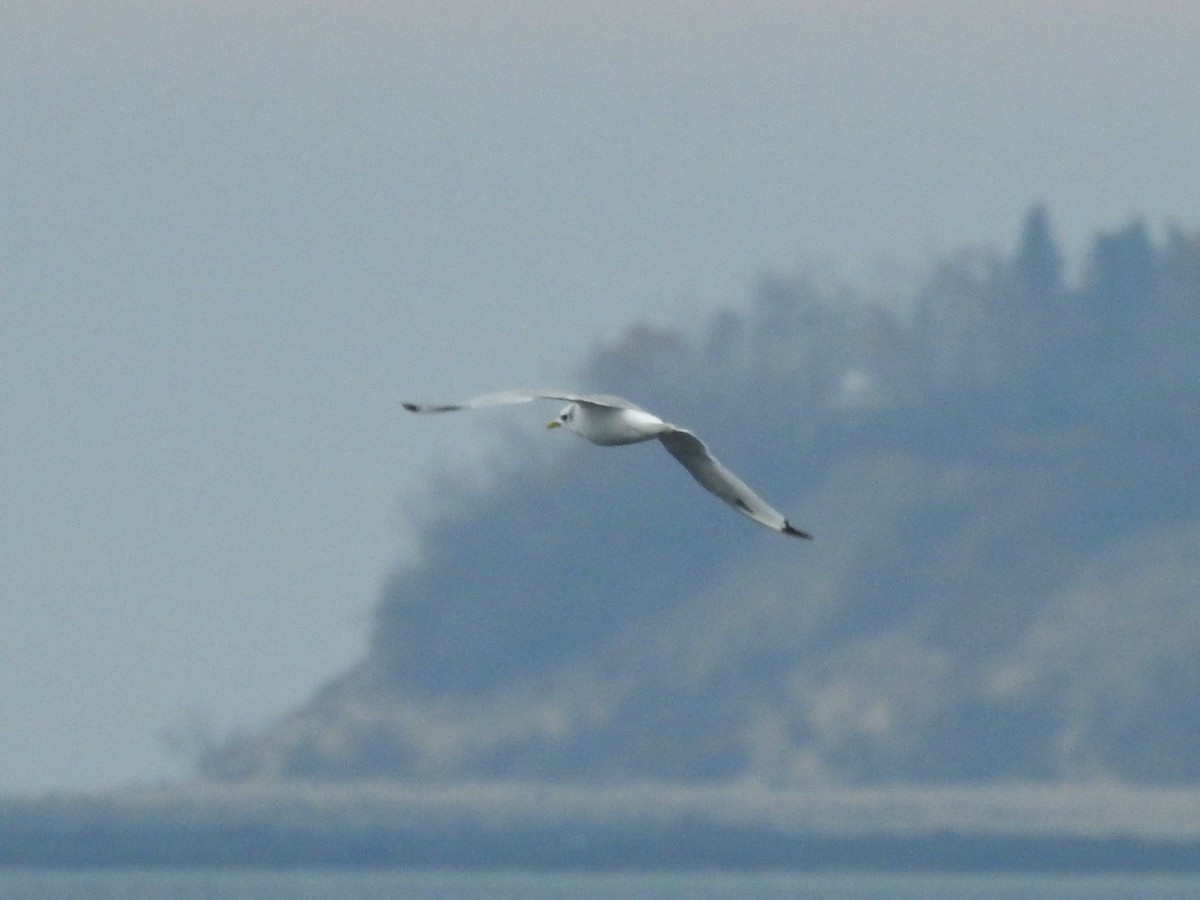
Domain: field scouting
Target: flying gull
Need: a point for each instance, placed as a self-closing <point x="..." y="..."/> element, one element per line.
<point x="610" y="421"/>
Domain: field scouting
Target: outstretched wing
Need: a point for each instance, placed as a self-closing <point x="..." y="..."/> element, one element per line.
<point x="695" y="456"/>
<point x="507" y="397"/>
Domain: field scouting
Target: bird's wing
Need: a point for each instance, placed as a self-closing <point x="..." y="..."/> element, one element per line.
<point x="505" y="397"/>
<point x="695" y="456"/>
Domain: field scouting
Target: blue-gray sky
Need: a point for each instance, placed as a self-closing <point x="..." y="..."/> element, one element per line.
<point x="234" y="236"/>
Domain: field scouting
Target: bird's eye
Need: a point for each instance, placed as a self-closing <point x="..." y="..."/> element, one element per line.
<point x="564" y="416"/>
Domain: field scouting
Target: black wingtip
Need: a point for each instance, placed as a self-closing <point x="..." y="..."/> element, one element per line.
<point x="795" y="532"/>
<point x="411" y="407"/>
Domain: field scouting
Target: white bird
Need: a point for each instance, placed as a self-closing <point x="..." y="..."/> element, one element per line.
<point x="610" y="421"/>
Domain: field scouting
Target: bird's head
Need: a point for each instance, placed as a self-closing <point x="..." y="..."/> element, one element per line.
<point x="564" y="418"/>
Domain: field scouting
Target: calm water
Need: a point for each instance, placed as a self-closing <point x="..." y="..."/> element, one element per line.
<point x="209" y="885"/>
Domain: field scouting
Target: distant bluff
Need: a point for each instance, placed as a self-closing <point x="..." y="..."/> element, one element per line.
<point x="998" y="466"/>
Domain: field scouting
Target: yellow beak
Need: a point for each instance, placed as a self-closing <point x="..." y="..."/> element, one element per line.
<point x="554" y="424"/>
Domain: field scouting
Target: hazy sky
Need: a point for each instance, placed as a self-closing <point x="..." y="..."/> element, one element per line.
<point x="235" y="236"/>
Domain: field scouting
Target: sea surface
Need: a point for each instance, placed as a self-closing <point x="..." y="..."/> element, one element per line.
<point x="169" y="884"/>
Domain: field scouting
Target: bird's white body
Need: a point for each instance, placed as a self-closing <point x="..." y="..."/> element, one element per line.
<point x="611" y="421"/>
<point x="611" y="426"/>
